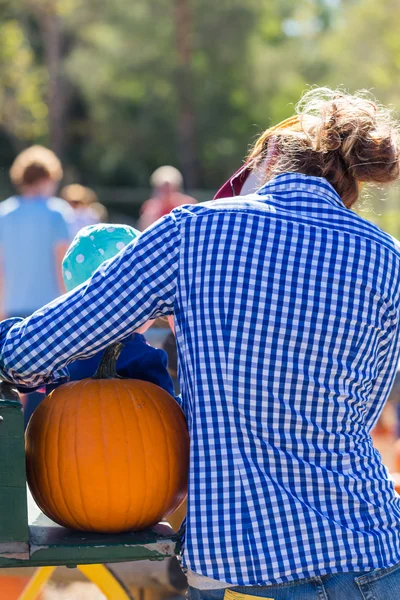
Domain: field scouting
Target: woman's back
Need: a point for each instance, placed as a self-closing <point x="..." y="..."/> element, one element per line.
<point x="291" y="346"/>
<point x="286" y="309"/>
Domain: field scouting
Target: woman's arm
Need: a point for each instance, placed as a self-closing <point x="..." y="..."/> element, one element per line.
<point x="137" y="285"/>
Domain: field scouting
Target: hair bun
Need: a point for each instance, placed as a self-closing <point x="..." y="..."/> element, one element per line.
<point x="364" y="134"/>
<point x="345" y="138"/>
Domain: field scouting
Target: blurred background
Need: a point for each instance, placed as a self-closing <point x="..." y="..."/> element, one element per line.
<point x="118" y="89"/>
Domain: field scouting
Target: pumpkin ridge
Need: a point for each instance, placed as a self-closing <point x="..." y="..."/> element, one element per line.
<point x="144" y="460"/>
<point x="73" y="519"/>
<point x="184" y="445"/>
<point x="43" y="458"/>
<point x="100" y="389"/>
<point x="81" y="386"/>
<point x="166" y="494"/>
<point x="79" y="486"/>
<point x="128" y="452"/>
<point x="179" y="416"/>
<point x="36" y="492"/>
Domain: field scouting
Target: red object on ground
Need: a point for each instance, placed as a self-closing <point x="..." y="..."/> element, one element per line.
<point x="396" y="458"/>
<point x="12" y="587"/>
<point x="396" y="477"/>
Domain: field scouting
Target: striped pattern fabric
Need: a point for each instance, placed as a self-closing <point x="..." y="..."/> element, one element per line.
<point x="287" y="320"/>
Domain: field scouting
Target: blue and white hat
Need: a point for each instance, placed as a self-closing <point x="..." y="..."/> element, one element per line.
<point x="91" y="246"/>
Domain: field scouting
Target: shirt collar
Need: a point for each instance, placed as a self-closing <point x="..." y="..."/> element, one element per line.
<point x="299" y="183"/>
<point x="37" y="198"/>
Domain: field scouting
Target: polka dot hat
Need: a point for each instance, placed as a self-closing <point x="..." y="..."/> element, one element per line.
<point x="91" y="246"/>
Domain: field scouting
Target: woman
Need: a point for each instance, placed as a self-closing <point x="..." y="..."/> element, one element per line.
<point x="286" y="309"/>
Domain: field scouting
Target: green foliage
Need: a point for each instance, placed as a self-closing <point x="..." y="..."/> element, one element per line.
<point x="137" y="77"/>
<point x="124" y="68"/>
<point x="23" y="111"/>
<point x="364" y="48"/>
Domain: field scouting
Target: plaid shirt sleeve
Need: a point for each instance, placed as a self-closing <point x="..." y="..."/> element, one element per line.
<point x="137" y="285"/>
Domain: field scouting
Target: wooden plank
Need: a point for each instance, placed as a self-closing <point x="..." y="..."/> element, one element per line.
<point x="52" y="547"/>
<point x="51" y="544"/>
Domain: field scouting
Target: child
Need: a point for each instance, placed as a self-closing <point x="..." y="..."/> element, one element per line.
<point x="91" y="246"/>
<point x="85" y="205"/>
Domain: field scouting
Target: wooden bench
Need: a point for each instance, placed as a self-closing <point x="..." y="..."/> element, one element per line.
<point x="29" y="538"/>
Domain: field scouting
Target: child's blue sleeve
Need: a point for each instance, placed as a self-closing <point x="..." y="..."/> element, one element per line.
<point x="139" y="360"/>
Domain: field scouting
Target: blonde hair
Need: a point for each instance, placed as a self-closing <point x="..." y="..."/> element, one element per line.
<point x="346" y="138"/>
<point x="35" y="164"/>
<point x="78" y="193"/>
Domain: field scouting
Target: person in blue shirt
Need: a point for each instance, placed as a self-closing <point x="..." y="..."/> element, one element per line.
<point x="138" y="360"/>
<point x="34" y="234"/>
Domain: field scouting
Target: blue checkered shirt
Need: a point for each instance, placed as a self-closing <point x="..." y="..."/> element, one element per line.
<point x="286" y="307"/>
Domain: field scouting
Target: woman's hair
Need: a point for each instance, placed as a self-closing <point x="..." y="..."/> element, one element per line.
<point x="78" y="194"/>
<point x="35" y="164"/>
<point x="347" y="139"/>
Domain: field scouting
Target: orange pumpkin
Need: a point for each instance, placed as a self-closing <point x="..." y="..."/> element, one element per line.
<point x="396" y="459"/>
<point x="108" y="454"/>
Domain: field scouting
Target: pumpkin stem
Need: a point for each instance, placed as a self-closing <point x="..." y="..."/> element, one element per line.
<point x="107" y="368"/>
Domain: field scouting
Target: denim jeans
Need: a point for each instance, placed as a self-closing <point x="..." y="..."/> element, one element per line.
<point x="31" y="403"/>
<point x="380" y="584"/>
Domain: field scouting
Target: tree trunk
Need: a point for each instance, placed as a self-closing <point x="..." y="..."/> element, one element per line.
<point x="186" y="119"/>
<point x="50" y="26"/>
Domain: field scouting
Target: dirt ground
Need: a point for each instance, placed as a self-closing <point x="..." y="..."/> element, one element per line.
<point x="73" y="591"/>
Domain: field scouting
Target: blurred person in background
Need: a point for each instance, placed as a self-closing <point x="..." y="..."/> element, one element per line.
<point x="167" y="183"/>
<point x="34" y="234"/>
<point x="87" y="209"/>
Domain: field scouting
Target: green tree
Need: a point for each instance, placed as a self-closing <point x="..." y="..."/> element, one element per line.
<point x="152" y="72"/>
<point x="131" y="85"/>
<point x="363" y="52"/>
<point x="23" y="112"/>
